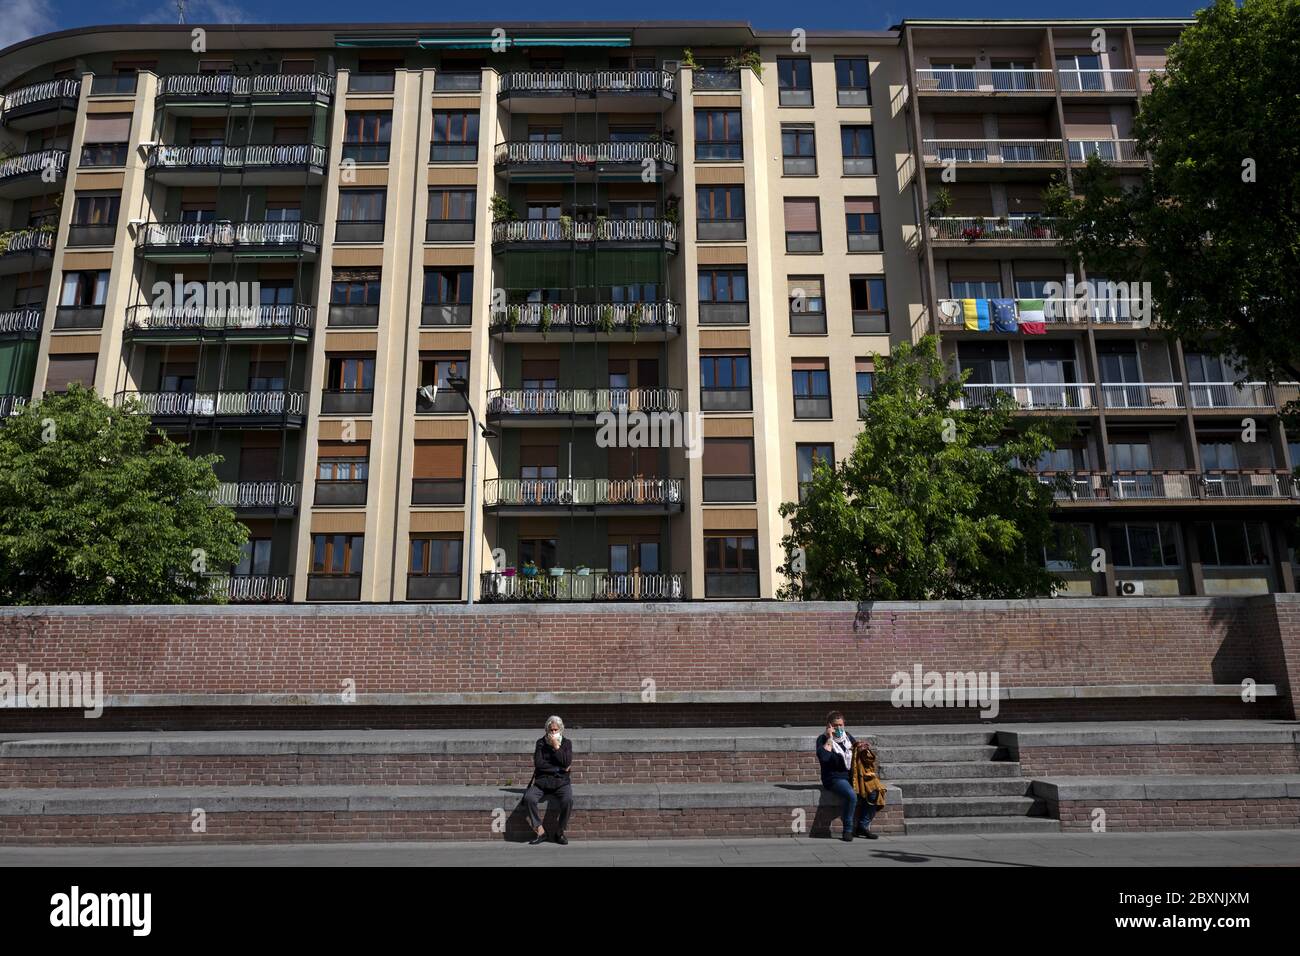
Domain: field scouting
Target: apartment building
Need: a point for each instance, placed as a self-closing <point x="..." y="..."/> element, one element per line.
<point x="405" y="280"/>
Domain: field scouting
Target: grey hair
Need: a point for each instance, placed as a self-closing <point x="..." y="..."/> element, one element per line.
<point x="553" y="719"/>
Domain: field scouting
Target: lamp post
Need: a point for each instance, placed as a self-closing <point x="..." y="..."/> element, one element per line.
<point x="461" y="387"/>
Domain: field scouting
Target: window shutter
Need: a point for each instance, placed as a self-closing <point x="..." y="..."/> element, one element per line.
<point x="811" y="286"/>
<point x="440" y="459"/>
<point x="808" y="364"/>
<point x="801" y="215"/>
<point x="108" y="128"/>
<point x="66" y="369"/>
<point x="728" y="456"/>
<point x="861" y="206"/>
<point x="344" y="449"/>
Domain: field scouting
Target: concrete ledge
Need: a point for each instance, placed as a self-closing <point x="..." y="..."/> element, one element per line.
<point x="1059" y="789"/>
<point x="1281" y="733"/>
<point x="183" y="800"/>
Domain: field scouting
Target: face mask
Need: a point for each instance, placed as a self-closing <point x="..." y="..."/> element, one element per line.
<point x="839" y="731"/>
<point x="558" y="737"/>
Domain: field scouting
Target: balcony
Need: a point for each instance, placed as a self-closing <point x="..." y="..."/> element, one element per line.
<point x="340" y="492"/>
<point x="726" y="399"/>
<point x="196" y="241"/>
<point x="1146" y="396"/>
<point x="715" y="81"/>
<point x="728" y="489"/>
<point x="250" y="323"/>
<point x="527" y="407"/>
<point x="965" y="232"/>
<point x="91" y="234"/>
<point x="260" y="165"/>
<point x="616" y="321"/>
<point x="1102" y="313"/>
<point x="359" y="230"/>
<point x="1213" y="487"/>
<point x="21" y="323"/>
<point x="562" y="585"/>
<point x="655" y="85"/>
<point x="1097" y="81"/>
<point x="959" y="82"/>
<point x="812" y="407"/>
<point x="26" y="250"/>
<point x="618" y="232"/>
<point x="254" y="588"/>
<point x="731" y="585"/>
<point x="442" y="314"/>
<point x="449" y="230"/>
<point x="523" y="496"/>
<point x="1107" y="150"/>
<point x="437" y="491"/>
<point x="114" y="84"/>
<point x="1004" y="153"/>
<point x="453" y="153"/>
<point x="720" y="230"/>
<point x="723" y="313"/>
<point x="347" y="401"/>
<point x="334" y="587"/>
<point x="79" y="317"/>
<point x="1054" y="398"/>
<point x="1230" y="395"/>
<point x="805" y="322"/>
<point x="524" y="157"/>
<point x="457" y="81"/>
<point x="262" y="497"/>
<point x="365" y="153"/>
<point x="11" y="405"/>
<point x="30" y="107"/>
<point x="353" y="316"/>
<point x="446" y="402"/>
<point x="273" y="93"/>
<point x="371" y="82"/>
<point x="34" y="173"/>
<point x="220" y="409"/>
<point x="433" y="587"/>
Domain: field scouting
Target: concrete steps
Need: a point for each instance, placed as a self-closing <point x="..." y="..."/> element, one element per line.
<point x="946" y="826"/>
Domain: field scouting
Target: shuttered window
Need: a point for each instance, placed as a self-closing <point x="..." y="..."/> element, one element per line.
<point x="67" y="369"/>
<point x="108" y="128"/>
<point x="440" y="459"/>
<point x="728" y="456"/>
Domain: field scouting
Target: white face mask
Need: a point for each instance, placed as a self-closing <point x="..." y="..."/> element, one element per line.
<point x="557" y="735"/>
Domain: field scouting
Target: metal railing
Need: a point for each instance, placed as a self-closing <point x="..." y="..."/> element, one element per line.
<point x="1097" y="81"/>
<point x="1032" y="396"/>
<point x="1169" y="485"/>
<point x="585" y="153"/>
<point x="1108" y="150"/>
<point x="36" y="92"/>
<point x="1004" y="151"/>
<point x="1231" y="395"/>
<point x="984" y="81"/>
<point x="1154" y="395"/>
<point x="36" y="161"/>
<point x="715" y="80"/>
<point x="35" y="239"/>
<point x="606" y="230"/>
<point x="253" y="588"/>
<point x="261" y="317"/>
<point x="216" y="404"/>
<point x="574" y="586"/>
<point x="12" y="405"/>
<point x="263" y="156"/>
<point x="653" y="82"/>
<point x="994" y="228"/>
<point x="581" y="401"/>
<point x="586" y="317"/>
<point x="552" y="492"/>
<point x="1248" y="484"/>
<point x="256" y="494"/>
<point x="227" y="234"/>
<point x="20" y="320"/>
<point x="230" y="84"/>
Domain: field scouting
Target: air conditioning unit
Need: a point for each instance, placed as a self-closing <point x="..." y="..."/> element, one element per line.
<point x="1128" y="588"/>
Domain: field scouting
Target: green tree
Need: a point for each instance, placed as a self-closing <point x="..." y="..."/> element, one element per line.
<point x="1214" y="225"/>
<point x="931" y="504"/>
<point x="94" y="509"/>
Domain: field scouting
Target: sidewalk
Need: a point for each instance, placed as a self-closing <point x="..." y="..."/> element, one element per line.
<point x="1221" y="848"/>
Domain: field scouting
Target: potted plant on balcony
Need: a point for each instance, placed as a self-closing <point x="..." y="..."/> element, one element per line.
<point x="1036" y="229"/>
<point x="634" y="319"/>
<point x="529" y="570"/>
<point x="606" y="323"/>
<point x="747" y="59"/>
<point x="547" y="318"/>
<point x="582" y="570"/>
<point x="688" y="60"/>
<point x="1003" y="225"/>
<point x="972" y="233"/>
<point x="566" y="227"/>
<point x="502" y="211"/>
<point x="512" y="317"/>
<point x="938" y="208"/>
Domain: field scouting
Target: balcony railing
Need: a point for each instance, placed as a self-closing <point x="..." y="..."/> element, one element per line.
<point x="457" y="81"/>
<point x="586" y="317"/>
<point x="20" y="321"/>
<point x="227" y="235"/>
<point x="987" y="229"/>
<point x="1097" y="81"/>
<point x="562" y="492"/>
<point x="265" y="156"/>
<point x="575" y="83"/>
<point x="39" y="161"/>
<point x="581" y="401"/>
<point x="1108" y="150"/>
<point x="27" y="241"/>
<point x="260" y="85"/>
<point x="984" y="81"/>
<point x="286" y="318"/>
<point x="253" y="588"/>
<point x="1231" y="395"/>
<point x="1169" y="485"/>
<point x="994" y="151"/>
<point x="715" y="81"/>
<point x="1154" y="395"/>
<point x="257" y="494"/>
<point x="217" y="404"/>
<point x="605" y="230"/>
<point x="12" y="405"/>
<point x="573" y="586"/>
<point x="584" y="154"/>
<point x="31" y="98"/>
<point x="1032" y="397"/>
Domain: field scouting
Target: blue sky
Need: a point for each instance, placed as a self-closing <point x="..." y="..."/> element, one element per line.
<point x="24" y="18"/>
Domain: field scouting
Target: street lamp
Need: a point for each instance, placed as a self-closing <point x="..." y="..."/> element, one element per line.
<point x="461" y="387"/>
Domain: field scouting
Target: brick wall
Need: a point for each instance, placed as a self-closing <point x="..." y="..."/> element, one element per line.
<point x="1136" y="759"/>
<point x="1273" y="813"/>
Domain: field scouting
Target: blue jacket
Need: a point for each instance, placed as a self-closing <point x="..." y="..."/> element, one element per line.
<point x="831" y="763"/>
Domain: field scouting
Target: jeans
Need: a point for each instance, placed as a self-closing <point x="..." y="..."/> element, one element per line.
<point x="863" y="811"/>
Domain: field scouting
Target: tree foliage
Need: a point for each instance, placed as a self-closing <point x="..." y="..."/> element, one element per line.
<point x="931" y="504"/>
<point x="95" y="510"/>
<point x="1214" y="225"/>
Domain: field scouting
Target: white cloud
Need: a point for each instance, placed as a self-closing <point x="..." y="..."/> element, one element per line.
<point x="24" y="19"/>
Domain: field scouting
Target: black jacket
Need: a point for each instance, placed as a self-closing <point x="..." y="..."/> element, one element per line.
<point x="549" y="762"/>
<point x="832" y="763"/>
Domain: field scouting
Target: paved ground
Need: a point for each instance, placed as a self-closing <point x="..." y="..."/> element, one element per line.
<point x="1227" y="848"/>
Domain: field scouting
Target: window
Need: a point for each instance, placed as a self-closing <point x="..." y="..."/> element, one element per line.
<point x="105" y="140"/>
<point x="728" y="467"/>
<point x="730" y="564"/>
<point x="354" y="297"/>
<point x="975" y="289"/>
<point x="337" y="553"/>
<point x="342" y="473"/>
<point x="858" y="145"/>
<point x="94" y="219"/>
<point x="798" y="149"/>
<point x="266" y="377"/>
<point x="84" y="289"/>
<point x="865" y="376"/>
<point x="952" y="76"/>
<point x="812" y="388"/>
<point x="1218" y="456"/>
<point x="1079" y="71"/>
<point x="806" y="458"/>
<point x="1233" y="544"/>
<point x="373" y="76"/>
<point x="724" y="297"/>
<point x="435" y="555"/>
<point x="350" y="373"/>
<point x="455" y="137"/>
<point x="540" y="551"/>
<point x="807" y="305"/>
<point x="448" y="286"/>
<point x="1144" y="545"/>
<point x="1065" y="545"/>
<point x="720" y="212"/>
<point x="438" y="473"/>
<point x="724" y="381"/>
<point x="862" y="220"/>
<point x="852" y="81"/>
<point x="255" y="558"/>
<point x="633" y="209"/>
<point x="1014" y="75"/>
<point x="802" y="226"/>
<point x="869" y="305"/>
<point x="437" y="369"/>
<point x="718" y="135"/>
<point x="361" y="215"/>
<point x="794" y="81"/>
<point x="64" y="370"/>
<point x="451" y="215"/>
<point x="367" y="135"/>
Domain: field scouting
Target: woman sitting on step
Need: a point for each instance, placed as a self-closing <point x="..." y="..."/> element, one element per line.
<point x="551" y="759"/>
<point x="850" y="772"/>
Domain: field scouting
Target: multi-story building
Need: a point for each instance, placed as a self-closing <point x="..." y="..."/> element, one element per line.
<point x="368" y="264"/>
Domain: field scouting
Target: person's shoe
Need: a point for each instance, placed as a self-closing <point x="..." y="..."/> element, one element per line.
<point x="537" y="840"/>
<point x="868" y="835"/>
<point x="561" y="839"/>
<point x="848" y="836"/>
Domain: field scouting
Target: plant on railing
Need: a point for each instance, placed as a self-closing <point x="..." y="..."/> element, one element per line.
<point x="566" y="227"/>
<point x="634" y="319"/>
<point x="1003" y="224"/>
<point x="673" y="208"/>
<point x="512" y="317"/>
<point x="747" y="59"/>
<point x="502" y="211"/>
<point x="606" y="323"/>
<point x="972" y="233"/>
<point x="1035" y="227"/>
<point x="529" y="570"/>
<point x="549" y="313"/>
<point x="688" y="60"/>
<point x="600" y="227"/>
<point x="941" y="203"/>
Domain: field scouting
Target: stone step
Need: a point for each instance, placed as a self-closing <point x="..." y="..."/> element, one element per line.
<point x="944" y="826"/>
<point x="964" y="787"/>
<point x="897" y="755"/>
<point x="948" y="769"/>
<point x="975" y="806"/>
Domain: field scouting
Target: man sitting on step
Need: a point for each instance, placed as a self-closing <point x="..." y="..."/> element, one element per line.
<point x="835" y="752"/>
<point x="551" y="759"/>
